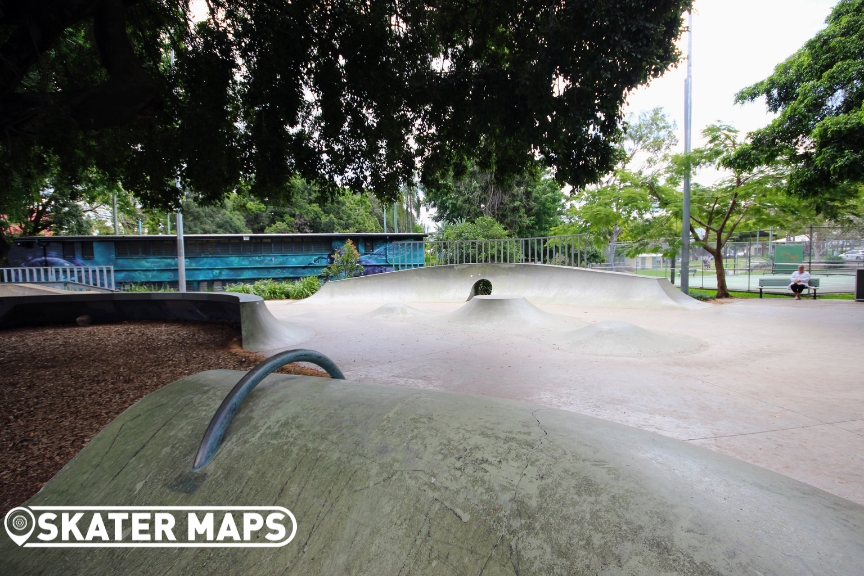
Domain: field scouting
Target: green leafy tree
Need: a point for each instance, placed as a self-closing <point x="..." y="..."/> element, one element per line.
<point x="452" y="251"/>
<point x="46" y="202"/>
<point x="366" y="96"/>
<point x="718" y="210"/>
<point x="527" y="205"/>
<point x="627" y="205"/>
<point x="483" y="228"/>
<point x="311" y="212"/>
<point x="199" y="219"/>
<point x="346" y="263"/>
<point x="818" y="94"/>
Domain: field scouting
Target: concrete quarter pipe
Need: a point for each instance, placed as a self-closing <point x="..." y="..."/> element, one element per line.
<point x="539" y="283"/>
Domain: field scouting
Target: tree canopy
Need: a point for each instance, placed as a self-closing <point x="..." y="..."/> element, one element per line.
<point x="819" y="95"/>
<point x="527" y="205"/>
<point x="360" y="95"/>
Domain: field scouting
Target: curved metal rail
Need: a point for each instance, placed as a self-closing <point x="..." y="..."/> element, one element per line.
<point x="219" y="424"/>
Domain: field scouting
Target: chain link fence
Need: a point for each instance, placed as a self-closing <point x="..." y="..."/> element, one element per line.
<point x="832" y="254"/>
<point x="829" y="253"/>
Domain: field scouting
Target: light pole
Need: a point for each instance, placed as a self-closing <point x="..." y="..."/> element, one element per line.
<point x="688" y="121"/>
<point x="114" y="214"/>
<point x="181" y="252"/>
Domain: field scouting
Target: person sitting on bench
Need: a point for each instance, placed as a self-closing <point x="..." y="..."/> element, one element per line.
<point x="800" y="280"/>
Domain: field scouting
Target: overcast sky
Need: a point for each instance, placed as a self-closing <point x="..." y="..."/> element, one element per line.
<point x="736" y="43"/>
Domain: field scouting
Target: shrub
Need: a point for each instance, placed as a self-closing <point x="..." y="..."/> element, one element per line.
<point x="346" y="263"/>
<point x="279" y="290"/>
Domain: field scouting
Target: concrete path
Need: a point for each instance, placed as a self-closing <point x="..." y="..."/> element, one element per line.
<point x="778" y="383"/>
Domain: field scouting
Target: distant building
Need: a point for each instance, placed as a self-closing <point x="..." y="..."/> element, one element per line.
<point x="214" y="260"/>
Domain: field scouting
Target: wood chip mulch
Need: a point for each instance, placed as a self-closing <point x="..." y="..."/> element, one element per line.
<point x="59" y="386"/>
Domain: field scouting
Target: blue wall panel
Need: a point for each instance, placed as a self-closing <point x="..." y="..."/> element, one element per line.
<point x="153" y="260"/>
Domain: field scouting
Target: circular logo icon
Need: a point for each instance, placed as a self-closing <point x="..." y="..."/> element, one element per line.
<point x="20" y="523"/>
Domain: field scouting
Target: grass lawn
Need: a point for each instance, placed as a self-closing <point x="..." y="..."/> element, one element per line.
<point x="713" y="293"/>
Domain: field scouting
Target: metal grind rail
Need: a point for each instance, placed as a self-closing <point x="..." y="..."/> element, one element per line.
<point x="569" y="250"/>
<point x="225" y="413"/>
<point x="99" y="276"/>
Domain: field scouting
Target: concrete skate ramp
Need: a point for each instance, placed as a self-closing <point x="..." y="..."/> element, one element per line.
<point x="387" y="481"/>
<point x="538" y="283"/>
<point x="507" y="313"/>
<point x="624" y="339"/>
<point x="262" y="332"/>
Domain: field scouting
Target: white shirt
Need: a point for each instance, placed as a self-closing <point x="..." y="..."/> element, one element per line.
<point x="800" y="278"/>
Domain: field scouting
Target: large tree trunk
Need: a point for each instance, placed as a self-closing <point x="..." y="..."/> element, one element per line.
<point x="720" y="269"/>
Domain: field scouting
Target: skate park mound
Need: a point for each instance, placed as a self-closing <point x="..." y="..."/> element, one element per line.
<point x="610" y="338"/>
<point x="539" y="283"/>
<point x="386" y="480"/>
<point x="503" y="313"/>
<point x="396" y="311"/>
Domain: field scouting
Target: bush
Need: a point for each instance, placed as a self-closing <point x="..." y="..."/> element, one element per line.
<point x="346" y="263"/>
<point x="276" y="290"/>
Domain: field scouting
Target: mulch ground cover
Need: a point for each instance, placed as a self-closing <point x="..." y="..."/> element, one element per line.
<point x="59" y="386"/>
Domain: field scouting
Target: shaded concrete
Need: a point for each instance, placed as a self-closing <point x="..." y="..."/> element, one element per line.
<point x="260" y="330"/>
<point x="539" y="283"/>
<point x="25" y="289"/>
<point x="769" y="365"/>
<point x="384" y="480"/>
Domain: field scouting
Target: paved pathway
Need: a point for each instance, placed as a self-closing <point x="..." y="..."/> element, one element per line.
<point x="780" y="384"/>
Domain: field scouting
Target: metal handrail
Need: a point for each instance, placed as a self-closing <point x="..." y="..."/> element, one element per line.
<point x="225" y="413"/>
<point x="566" y="250"/>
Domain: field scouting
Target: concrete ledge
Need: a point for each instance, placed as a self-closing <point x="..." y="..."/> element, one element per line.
<point x="261" y="331"/>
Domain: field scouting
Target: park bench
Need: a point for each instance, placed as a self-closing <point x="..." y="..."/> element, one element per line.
<point x="813" y="284"/>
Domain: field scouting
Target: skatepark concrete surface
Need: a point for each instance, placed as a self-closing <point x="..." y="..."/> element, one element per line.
<point x="777" y="383"/>
<point x="394" y="480"/>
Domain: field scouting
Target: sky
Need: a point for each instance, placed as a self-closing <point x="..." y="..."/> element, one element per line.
<point x="736" y="43"/>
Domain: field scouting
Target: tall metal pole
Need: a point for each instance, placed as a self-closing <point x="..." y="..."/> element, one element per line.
<point x="114" y="215"/>
<point x="385" y="219"/>
<point x="688" y="121"/>
<point x="181" y="254"/>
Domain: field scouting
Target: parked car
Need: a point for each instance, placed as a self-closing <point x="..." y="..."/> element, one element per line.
<point x="853" y="255"/>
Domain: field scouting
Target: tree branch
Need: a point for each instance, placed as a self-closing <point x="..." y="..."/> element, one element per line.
<point x="126" y="96"/>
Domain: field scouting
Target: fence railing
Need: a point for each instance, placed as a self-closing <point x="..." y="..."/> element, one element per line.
<point x="99" y="276"/>
<point x="570" y="250"/>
